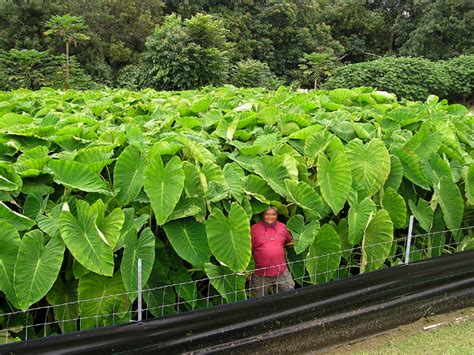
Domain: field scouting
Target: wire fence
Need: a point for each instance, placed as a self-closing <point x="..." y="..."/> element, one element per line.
<point x="232" y="287"/>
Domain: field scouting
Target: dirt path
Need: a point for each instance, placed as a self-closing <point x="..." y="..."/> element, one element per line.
<point x="428" y="335"/>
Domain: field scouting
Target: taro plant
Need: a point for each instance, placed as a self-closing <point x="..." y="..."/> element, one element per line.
<point x="91" y="181"/>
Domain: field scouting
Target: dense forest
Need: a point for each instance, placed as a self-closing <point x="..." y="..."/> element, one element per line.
<point x="171" y="44"/>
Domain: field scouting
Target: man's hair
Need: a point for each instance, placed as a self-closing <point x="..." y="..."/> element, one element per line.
<point x="271" y="208"/>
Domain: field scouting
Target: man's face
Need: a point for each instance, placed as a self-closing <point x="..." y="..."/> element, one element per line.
<point x="270" y="216"/>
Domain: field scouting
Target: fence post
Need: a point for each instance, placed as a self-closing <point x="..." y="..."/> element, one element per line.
<point x="410" y="231"/>
<point x="139" y="286"/>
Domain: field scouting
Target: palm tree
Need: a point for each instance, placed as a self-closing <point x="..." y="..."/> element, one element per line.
<point x="70" y="29"/>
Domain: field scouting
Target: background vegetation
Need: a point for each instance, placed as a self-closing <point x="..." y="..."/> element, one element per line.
<point x="170" y="44"/>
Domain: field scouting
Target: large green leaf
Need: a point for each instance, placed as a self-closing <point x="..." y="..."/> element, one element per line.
<point x="108" y="226"/>
<point x="192" y="183"/>
<point x="37" y="267"/>
<point x="159" y="295"/>
<point x="262" y="145"/>
<point x="102" y="301"/>
<point x="377" y="242"/>
<point x="9" y="180"/>
<point x="81" y="236"/>
<point x="469" y="184"/>
<point x="142" y="248"/>
<point x="79" y="176"/>
<point x="96" y="157"/>
<point x="234" y="177"/>
<point x="324" y="255"/>
<point x="451" y="202"/>
<point x="130" y="225"/>
<point x="258" y="188"/>
<point x="50" y="224"/>
<point x="370" y="163"/>
<point x="189" y="240"/>
<point x="34" y="206"/>
<point x="230" y="285"/>
<point x="32" y="162"/>
<point x="189" y="207"/>
<point x="396" y="207"/>
<point x="186" y="289"/>
<point x="274" y="172"/>
<point x="334" y="179"/>
<point x="434" y="168"/>
<point x="411" y="166"/>
<point x="396" y="173"/>
<point x="213" y="182"/>
<point x="229" y="237"/>
<point x="304" y="133"/>
<point x="307" y="237"/>
<point x="359" y="215"/>
<point x="316" y="143"/>
<point x="16" y="220"/>
<point x="10" y="243"/>
<point x="423" y="213"/>
<point x="128" y="174"/>
<point x="303" y="235"/>
<point x="63" y="297"/>
<point x="304" y="196"/>
<point x="163" y="185"/>
<point x="424" y="143"/>
<point x="200" y="153"/>
<point x="295" y="225"/>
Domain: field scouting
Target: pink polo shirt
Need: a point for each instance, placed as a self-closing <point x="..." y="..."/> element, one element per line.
<point x="268" y="248"/>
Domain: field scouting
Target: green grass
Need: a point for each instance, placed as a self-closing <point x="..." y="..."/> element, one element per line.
<point x="448" y="339"/>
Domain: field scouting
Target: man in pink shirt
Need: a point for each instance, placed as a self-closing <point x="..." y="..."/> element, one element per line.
<point x="269" y="238"/>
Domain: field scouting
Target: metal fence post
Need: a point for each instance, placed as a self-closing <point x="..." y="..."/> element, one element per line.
<point x="139" y="287"/>
<point x="410" y="231"/>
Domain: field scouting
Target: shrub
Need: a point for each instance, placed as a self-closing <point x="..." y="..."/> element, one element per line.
<point x="130" y="77"/>
<point x="253" y="73"/>
<point x="187" y="54"/>
<point x="461" y="77"/>
<point x="411" y="78"/>
<point x="32" y="69"/>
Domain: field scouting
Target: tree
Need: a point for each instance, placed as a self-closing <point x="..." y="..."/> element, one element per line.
<point x="318" y="66"/>
<point x="187" y="54"/>
<point x="70" y="29"/>
<point x="444" y="31"/>
<point x="361" y="30"/>
<point x="118" y="33"/>
<point x="22" y="23"/>
<point x="274" y="32"/>
<point x="279" y="33"/>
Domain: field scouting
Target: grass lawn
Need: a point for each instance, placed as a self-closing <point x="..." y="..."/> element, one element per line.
<point x="453" y="335"/>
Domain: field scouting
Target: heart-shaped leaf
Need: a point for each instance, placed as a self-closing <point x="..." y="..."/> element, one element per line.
<point x="164" y="185"/>
<point x="189" y="240"/>
<point x="37" y="267"/>
<point x="81" y="236"/>
<point x="229" y="237"/>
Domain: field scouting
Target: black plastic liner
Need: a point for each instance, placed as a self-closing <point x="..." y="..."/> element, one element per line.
<point x="310" y="318"/>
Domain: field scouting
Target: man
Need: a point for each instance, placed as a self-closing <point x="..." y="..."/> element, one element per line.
<point x="269" y="237"/>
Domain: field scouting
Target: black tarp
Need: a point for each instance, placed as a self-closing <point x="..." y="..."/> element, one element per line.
<point x="309" y="318"/>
